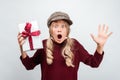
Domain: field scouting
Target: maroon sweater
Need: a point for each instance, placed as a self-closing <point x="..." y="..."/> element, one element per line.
<point x="58" y="70"/>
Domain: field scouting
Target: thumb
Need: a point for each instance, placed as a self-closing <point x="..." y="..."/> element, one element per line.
<point x="93" y="37"/>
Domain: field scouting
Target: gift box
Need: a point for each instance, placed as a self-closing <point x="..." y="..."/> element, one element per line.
<point x="32" y="34"/>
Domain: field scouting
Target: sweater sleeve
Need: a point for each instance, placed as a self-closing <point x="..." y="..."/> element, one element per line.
<point x="31" y="62"/>
<point x="87" y="58"/>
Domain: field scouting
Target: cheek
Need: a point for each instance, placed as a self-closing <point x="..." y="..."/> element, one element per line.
<point x="53" y="32"/>
<point x="65" y="33"/>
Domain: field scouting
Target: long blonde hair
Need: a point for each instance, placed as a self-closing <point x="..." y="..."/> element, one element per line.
<point x="66" y="51"/>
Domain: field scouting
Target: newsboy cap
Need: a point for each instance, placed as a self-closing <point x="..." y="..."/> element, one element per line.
<point x="59" y="16"/>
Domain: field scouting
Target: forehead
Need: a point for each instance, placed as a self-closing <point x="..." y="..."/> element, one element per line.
<point x="59" y="22"/>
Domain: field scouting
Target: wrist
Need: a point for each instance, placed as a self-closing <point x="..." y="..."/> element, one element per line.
<point x="100" y="49"/>
<point x="24" y="55"/>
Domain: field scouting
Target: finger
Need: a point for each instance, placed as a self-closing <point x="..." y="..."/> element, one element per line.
<point x="19" y="35"/>
<point x="21" y="39"/>
<point x="103" y="27"/>
<point x="99" y="28"/>
<point x="22" y="42"/>
<point x="110" y="34"/>
<point x="106" y="30"/>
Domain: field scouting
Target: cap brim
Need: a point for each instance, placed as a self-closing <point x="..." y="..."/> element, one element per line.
<point x="68" y="21"/>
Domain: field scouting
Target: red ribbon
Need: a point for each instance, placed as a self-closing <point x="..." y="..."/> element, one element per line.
<point x="29" y="34"/>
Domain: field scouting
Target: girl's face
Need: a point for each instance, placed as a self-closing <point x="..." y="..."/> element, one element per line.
<point x="59" y="30"/>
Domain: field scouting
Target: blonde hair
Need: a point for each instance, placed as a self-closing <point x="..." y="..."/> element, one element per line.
<point x="66" y="51"/>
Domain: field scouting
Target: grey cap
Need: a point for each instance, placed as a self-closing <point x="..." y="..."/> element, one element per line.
<point x="59" y="16"/>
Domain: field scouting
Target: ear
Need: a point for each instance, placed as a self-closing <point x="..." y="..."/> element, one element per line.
<point x="66" y="37"/>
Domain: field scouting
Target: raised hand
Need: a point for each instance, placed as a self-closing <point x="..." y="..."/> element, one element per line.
<point x="21" y="41"/>
<point x="102" y="36"/>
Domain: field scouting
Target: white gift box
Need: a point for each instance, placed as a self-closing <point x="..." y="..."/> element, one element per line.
<point x="36" y="40"/>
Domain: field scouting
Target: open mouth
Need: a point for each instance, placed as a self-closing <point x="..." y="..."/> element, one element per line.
<point x="59" y="36"/>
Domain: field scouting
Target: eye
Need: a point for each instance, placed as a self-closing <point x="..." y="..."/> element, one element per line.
<point x="63" y="26"/>
<point x="55" y="26"/>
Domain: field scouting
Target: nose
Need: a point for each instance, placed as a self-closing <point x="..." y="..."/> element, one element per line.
<point x="59" y="29"/>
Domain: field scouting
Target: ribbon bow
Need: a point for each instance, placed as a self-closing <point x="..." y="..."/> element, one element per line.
<point x="29" y="34"/>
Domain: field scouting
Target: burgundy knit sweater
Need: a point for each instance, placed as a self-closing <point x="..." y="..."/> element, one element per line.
<point x="58" y="70"/>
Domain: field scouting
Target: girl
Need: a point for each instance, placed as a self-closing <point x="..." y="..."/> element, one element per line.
<point x="61" y="55"/>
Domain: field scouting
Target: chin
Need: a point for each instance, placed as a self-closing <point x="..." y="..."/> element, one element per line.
<point x="60" y="41"/>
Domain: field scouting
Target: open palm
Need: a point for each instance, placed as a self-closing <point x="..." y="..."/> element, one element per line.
<point x="102" y="36"/>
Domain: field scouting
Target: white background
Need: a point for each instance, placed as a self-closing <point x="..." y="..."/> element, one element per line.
<point x="86" y="16"/>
